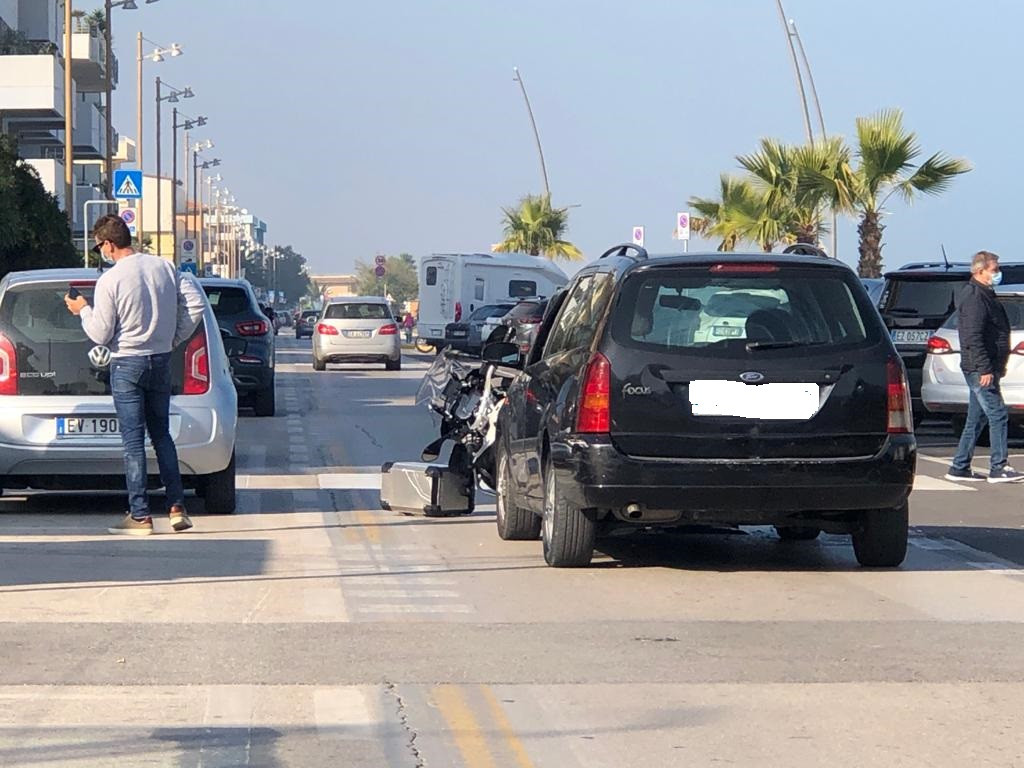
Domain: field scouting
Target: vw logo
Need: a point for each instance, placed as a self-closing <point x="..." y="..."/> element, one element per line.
<point x="99" y="356"/>
<point x="751" y="377"/>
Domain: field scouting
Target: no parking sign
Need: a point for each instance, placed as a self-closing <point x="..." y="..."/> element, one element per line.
<point x="128" y="217"/>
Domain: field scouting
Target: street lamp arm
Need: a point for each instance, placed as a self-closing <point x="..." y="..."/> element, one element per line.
<point x="543" y="167"/>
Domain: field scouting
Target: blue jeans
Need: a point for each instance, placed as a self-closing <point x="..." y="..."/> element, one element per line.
<point x="985" y="405"/>
<point x="142" y="396"/>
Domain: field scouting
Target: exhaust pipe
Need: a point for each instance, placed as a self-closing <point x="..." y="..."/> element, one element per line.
<point x="634" y="512"/>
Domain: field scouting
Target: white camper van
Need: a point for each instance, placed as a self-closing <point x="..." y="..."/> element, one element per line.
<point x="452" y="285"/>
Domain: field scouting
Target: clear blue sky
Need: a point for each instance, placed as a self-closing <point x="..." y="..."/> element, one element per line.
<point x="361" y="127"/>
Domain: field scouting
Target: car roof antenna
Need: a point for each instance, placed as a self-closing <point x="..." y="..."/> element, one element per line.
<point x="948" y="265"/>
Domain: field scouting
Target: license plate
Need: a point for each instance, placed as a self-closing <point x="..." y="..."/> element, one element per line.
<point x="905" y="336"/>
<point x="92" y="426"/>
<point x="754" y="401"/>
<point x="457" y="334"/>
<point x="357" y="334"/>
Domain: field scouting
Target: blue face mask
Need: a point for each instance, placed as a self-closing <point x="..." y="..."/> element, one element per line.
<point x="997" y="278"/>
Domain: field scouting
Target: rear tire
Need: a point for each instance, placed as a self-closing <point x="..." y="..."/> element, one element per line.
<point x="797" y="532"/>
<point x="265" y="401"/>
<point x="218" y="490"/>
<point x="567" y="533"/>
<point x="881" y="540"/>
<point x="393" y="365"/>
<point x="319" y="365"/>
<point x="514" y="522"/>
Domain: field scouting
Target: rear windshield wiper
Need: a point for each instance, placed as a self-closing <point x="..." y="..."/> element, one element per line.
<point x="756" y="345"/>
<point x="903" y="311"/>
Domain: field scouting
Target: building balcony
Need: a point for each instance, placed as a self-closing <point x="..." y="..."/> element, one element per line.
<point x="51" y="173"/>
<point x="90" y="132"/>
<point x="88" y="55"/>
<point x="32" y="90"/>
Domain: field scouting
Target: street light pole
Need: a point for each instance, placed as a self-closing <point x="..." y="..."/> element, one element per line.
<point x="796" y="72"/>
<point x="543" y="167"/>
<point x="69" y="139"/>
<point x="159" y="181"/>
<point x="107" y="65"/>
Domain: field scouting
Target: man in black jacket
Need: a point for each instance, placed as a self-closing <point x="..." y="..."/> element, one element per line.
<point x="984" y="351"/>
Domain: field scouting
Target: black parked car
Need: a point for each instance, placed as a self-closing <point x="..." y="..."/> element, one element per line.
<point x="248" y="340"/>
<point x="466" y="335"/>
<point x="710" y="389"/>
<point x="917" y="299"/>
<point x="524" y="319"/>
<point x="305" y="323"/>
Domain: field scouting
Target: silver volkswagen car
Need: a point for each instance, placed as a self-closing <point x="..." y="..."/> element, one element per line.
<point x="58" y="426"/>
<point x="357" y="329"/>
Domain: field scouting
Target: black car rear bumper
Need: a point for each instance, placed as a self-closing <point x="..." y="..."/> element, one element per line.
<point x="593" y="473"/>
<point x="250" y="377"/>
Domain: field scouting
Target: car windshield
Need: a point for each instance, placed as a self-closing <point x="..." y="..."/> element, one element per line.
<point x="527" y="309"/>
<point x="489" y="310"/>
<point x="923" y="298"/>
<point x="357" y="311"/>
<point x="1014" y="307"/>
<point x="227" y="300"/>
<point x="693" y="311"/>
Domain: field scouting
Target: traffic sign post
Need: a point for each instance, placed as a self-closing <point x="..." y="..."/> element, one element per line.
<point x="638" y="236"/>
<point x="380" y="270"/>
<point x="127" y="185"/>
<point x="683" y="228"/>
<point x="380" y="260"/>
<point x="128" y="217"/>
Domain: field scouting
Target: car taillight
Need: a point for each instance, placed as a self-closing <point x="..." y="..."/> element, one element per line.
<point x="326" y="330"/>
<point x="252" y="328"/>
<point x="901" y="415"/>
<point x="739" y="269"/>
<point x="595" y="407"/>
<point x="388" y="330"/>
<point x="8" y="367"/>
<point x="939" y="346"/>
<point x="197" y="366"/>
<point x="458" y="311"/>
<point x="1019" y="349"/>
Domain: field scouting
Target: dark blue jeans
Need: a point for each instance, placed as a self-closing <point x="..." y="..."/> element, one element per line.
<point x="985" y="405"/>
<point x="142" y="396"/>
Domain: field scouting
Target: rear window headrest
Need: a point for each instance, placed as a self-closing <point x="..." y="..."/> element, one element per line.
<point x="681" y="303"/>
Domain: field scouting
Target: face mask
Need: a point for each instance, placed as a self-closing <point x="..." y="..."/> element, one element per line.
<point x="997" y="278"/>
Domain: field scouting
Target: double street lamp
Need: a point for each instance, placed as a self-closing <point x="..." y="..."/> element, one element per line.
<point x="156" y="56"/>
<point x="188" y="124"/>
<point x="175" y="95"/>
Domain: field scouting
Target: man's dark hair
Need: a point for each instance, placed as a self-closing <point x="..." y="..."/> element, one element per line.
<point x="114" y="229"/>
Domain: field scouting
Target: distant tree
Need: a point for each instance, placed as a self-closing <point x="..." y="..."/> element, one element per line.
<point x="740" y="213"/>
<point x="286" y="271"/>
<point x="34" y="231"/>
<point x="400" y="281"/>
<point x="537" y="229"/>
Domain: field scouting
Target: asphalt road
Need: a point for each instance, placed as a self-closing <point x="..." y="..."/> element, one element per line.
<point x="313" y="629"/>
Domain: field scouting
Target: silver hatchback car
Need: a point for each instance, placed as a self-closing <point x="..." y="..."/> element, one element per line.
<point x="58" y="426"/>
<point x="357" y="329"/>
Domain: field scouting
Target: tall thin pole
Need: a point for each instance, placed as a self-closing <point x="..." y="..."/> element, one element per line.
<point x="796" y="71"/>
<point x="159" y="181"/>
<point x="195" y="195"/>
<point x="543" y="168"/>
<point x="201" y="221"/>
<point x="821" y="120"/>
<point x="138" y="132"/>
<point x="185" y="185"/>
<point x="108" y="65"/>
<point x="174" y="188"/>
<point x="69" y="128"/>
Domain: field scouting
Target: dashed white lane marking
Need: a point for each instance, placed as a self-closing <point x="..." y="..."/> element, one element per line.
<point x="381" y="594"/>
<point x="338" y="708"/>
<point x="413" y="608"/>
<point x="925" y="483"/>
<point x="350" y="481"/>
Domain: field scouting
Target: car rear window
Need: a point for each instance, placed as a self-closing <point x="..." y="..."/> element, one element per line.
<point x="527" y="309"/>
<point x="520" y="289"/>
<point x="922" y="298"/>
<point x="357" y="311"/>
<point x="490" y="310"/>
<point x="228" y="300"/>
<point x="694" y="311"/>
<point x="1014" y="311"/>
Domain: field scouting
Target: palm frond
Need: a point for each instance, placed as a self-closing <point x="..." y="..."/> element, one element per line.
<point x="934" y="175"/>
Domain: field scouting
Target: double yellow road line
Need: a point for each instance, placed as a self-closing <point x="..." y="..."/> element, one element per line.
<point x="481" y="746"/>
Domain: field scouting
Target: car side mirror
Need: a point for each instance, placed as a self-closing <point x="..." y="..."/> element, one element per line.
<point x="502" y="353"/>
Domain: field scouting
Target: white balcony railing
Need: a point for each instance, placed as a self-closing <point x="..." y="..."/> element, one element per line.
<point x="89" y="50"/>
<point x="32" y="86"/>
<point x="90" y="132"/>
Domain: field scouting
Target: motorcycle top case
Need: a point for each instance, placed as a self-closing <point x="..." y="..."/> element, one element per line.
<point x="433" y="490"/>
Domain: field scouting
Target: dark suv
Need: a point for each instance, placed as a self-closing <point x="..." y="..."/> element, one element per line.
<point x="917" y="299"/>
<point x="708" y="389"/>
<point x="248" y="340"/>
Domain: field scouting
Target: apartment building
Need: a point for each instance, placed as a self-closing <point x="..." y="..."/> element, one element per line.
<point x="32" y="98"/>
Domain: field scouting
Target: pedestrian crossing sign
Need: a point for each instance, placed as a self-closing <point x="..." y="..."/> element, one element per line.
<point x="128" y="185"/>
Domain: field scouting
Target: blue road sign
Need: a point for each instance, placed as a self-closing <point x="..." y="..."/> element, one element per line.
<point x="190" y="266"/>
<point x="128" y="185"/>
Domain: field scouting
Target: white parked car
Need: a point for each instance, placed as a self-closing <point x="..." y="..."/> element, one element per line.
<point x="357" y="329"/>
<point x="58" y="427"/>
<point x="943" y="386"/>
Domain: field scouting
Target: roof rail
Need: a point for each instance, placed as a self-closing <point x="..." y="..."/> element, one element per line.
<point x="933" y="265"/>
<point x="805" y="249"/>
<point x="624" y="250"/>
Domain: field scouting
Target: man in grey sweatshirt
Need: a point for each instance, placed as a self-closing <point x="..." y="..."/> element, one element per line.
<point x="142" y="309"/>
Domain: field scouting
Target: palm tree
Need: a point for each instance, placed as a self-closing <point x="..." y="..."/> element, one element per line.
<point x="741" y="212"/>
<point x="885" y="155"/>
<point x="537" y="229"/>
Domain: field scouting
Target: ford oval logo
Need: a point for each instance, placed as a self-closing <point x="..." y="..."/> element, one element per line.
<point x="751" y="377"/>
